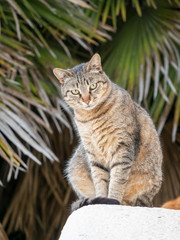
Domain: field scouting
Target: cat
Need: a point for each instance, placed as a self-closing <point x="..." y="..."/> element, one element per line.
<point x="119" y="155"/>
<point x="172" y="204"/>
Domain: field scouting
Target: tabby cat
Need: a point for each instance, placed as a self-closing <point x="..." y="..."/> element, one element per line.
<point x="119" y="154"/>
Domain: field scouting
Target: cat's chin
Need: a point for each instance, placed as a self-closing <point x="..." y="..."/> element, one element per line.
<point x="89" y="107"/>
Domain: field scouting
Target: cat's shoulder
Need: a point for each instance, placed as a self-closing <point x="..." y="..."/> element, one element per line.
<point x="140" y="109"/>
<point x="126" y="97"/>
<point x="122" y="92"/>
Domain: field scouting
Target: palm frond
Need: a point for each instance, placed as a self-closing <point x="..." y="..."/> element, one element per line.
<point x="171" y="171"/>
<point x="27" y="86"/>
<point x="106" y="11"/>
<point x="144" y="53"/>
<point x="2" y="233"/>
<point x="59" y="20"/>
<point x="41" y="221"/>
<point x="26" y="107"/>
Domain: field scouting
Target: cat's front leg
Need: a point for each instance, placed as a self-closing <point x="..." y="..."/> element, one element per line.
<point x="119" y="175"/>
<point x="100" y="177"/>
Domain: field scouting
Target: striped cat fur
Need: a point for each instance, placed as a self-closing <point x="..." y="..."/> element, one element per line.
<point x="119" y="154"/>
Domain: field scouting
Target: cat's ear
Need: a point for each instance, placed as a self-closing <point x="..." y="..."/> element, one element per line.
<point x="95" y="63"/>
<point x="62" y="74"/>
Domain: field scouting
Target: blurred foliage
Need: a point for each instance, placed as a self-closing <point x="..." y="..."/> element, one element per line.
<point x="144" y="58"/>
<point x="29" y="94"/>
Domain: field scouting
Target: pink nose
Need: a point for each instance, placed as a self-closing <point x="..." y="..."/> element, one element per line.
<point x="86" y="100"/>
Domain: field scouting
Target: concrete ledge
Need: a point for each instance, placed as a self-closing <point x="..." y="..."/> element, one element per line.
<point x="114" y="222"/>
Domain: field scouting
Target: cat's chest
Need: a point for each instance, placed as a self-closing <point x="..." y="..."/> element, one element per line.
<point x="99" y="138"/>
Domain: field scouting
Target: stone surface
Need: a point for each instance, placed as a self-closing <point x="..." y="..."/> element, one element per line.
<point x="112" y="222"/>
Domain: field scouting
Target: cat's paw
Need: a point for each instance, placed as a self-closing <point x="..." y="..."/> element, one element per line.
<point x="93" y="200"/>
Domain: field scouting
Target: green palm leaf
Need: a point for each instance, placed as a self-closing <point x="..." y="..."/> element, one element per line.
<point x="143" y="54"/>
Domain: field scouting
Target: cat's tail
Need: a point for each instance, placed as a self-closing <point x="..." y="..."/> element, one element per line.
<point x="92" y="201"/>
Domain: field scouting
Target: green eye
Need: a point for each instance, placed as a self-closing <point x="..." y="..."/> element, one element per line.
<point x="93" y="86"/>
<point x="75" y="91"/>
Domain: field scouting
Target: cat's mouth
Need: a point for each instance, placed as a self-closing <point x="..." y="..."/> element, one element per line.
<point x="88" y="106"/>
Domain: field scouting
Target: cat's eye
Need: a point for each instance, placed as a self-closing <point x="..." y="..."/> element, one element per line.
<point x="93" y="86"/>
<point x="75" y="91"/>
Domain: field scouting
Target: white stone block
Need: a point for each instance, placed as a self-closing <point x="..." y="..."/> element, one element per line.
<point x="114" y="222"/>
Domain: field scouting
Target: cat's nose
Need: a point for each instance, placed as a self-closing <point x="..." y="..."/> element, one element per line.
<point x="86" y="99"/>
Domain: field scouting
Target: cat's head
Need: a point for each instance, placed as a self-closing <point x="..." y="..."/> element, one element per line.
<point x="84" y="86"/>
